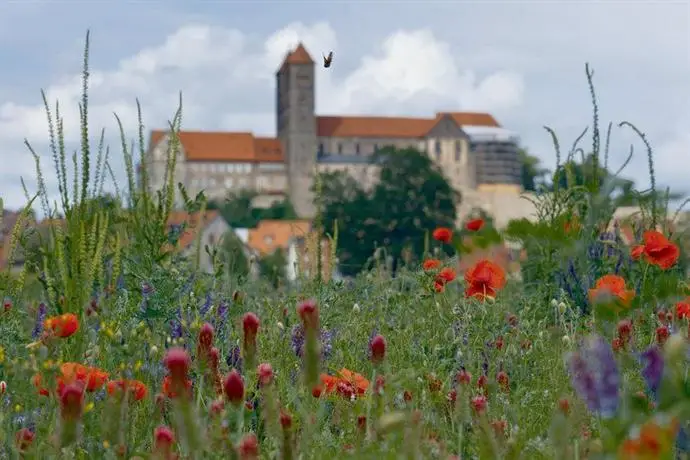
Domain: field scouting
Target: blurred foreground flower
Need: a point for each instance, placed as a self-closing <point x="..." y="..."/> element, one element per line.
<point x="594" y="375"/>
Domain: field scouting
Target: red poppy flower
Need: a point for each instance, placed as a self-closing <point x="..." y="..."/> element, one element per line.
<point x="137" y="388"/>
<point x="484" y="280"/>
<point x="443" y="234"/>
<point x="63" y="325"/>
<point x="474" y="225"/>
<point x="659" y="250"/>
<point x="683" y="309"/>
<point x="431" y="264"/>
<point x="614" y="286"/>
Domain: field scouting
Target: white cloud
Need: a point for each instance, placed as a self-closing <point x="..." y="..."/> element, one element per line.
<point x="227" y="81"/>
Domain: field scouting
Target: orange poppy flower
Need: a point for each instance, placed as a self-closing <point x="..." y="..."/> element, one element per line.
<point x="659" y="251"/>
<point x="484" y="280"/>
<point x="352" y="380"/>
<point x="92" y="378"/>
<point x="611" y="286"/>
<point x="653" y="442"/>
<point x="443" y="234"/>
<point x="637" y="251"/>
<point x="446" y="274"/>
<point x="431" y="264"/>
<point x="474" y="225"/>
<point x="136" y="387"/>
<point x="62" y="325"/>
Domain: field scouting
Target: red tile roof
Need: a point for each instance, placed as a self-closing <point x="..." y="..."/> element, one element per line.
<point x="225" y="146"/>
<point x="298" y="56"/>
<point x="395" y="127"/>
<point x="192" y="221"/>
<point x="270" y="235"/>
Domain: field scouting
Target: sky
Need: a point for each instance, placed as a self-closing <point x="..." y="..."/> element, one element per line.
<point x="521" y="61"/>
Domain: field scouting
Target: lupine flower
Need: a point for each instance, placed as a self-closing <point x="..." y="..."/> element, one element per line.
<point x="595" y="377"/>
<point x="234" y="359"/>
<point x="297" y="341"/>
<point x="653" y="369"/>
<point x="40" y="318"/>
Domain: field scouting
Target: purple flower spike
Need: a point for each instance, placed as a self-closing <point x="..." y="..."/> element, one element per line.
<point x="595" y="377"/>
<point x="653" y="368"/>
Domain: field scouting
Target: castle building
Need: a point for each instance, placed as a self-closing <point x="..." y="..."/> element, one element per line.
<point x="474" y="152"/>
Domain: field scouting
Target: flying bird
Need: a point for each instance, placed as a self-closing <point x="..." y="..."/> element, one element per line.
<point x="328" y="59"/>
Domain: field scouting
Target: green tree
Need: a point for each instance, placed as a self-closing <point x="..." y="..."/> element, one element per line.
<point x="411" y="198"/>
<point x="272" y="267"/>
<point x="232" y="255"/>
<point x="239" y="212"/>
<point x="533" y="174"/>
<point x="623" y="191"/>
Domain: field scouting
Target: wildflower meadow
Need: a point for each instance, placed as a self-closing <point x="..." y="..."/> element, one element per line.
<point x="117" y="346"/>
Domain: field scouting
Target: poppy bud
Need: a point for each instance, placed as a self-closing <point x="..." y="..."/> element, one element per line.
<point x="378" y="349"/>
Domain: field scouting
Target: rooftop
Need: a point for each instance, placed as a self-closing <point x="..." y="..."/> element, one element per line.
<point x="270" y="235"/>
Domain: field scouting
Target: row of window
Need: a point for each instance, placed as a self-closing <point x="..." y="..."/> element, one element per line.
<point x="210" y="182"/>
<point x="240" y="168"/>
<point x="358" y="150"/>
<point x="263" y="182"/>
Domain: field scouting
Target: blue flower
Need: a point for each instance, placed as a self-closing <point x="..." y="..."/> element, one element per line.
<point x="38" y="326"/>
<point x="595" y="377"/>
<point x="653" y="369"/>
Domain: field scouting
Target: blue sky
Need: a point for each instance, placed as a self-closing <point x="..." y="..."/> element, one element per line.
<point x="521" y="61"/>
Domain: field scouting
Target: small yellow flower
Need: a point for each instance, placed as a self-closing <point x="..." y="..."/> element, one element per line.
<point x="88" y="407"/>
<point x="2" y="355"/>
<point x="138" y="365"/>
<point x="17" y="408"/>
<point x="106" y="445"/>
<point x="122" y="366"/>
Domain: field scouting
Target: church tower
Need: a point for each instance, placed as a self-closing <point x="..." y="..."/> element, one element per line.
<point x="296" y="126"/>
